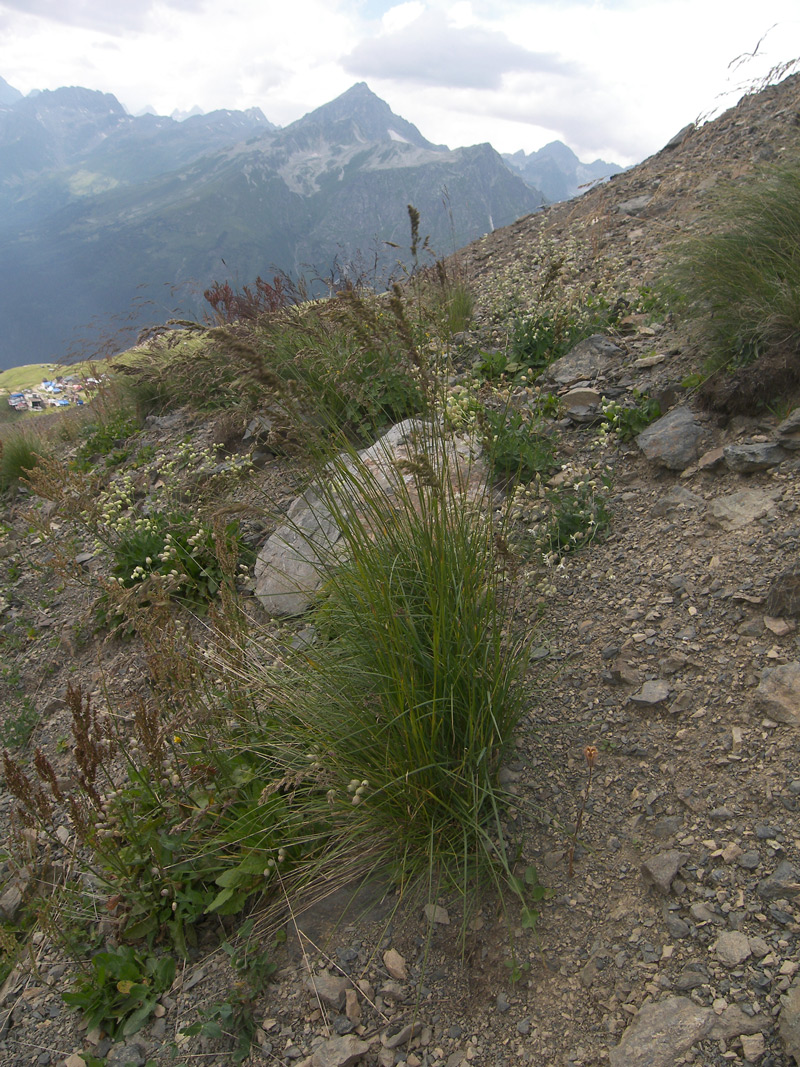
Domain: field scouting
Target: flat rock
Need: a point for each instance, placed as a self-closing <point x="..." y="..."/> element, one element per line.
<point x="753" y="1047"/>
<point x="732" y="948"/>
<point x="673" y="440"/>
<point x="735" y="510"/>
<point x="587" y="360"/>
<point x="330" y="989"/>
<point x="582" y="397"/>
<point x="779" y="692"/>
<point x="652" y="693"/>
<point x="659" y="870"/>
<point x="678" y="497"/>
<point x="434" y="913"/>
<point x="748" y="459"/>
<point x="339" y="1052"/>
<point x="635" y="206"/>
<point x="789" y="1026"/>
<point x="661" y="1032"/>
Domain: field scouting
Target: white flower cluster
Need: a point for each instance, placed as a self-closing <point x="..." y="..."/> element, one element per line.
<point x="461" y="408"/>
<point x="358" y="789"/>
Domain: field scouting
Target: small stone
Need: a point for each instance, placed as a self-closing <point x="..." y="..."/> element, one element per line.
<point x="732" y="948"/>
<point x="753" y="1046"/>
<point x="395" y="1036"/>
<point x="395" y="965"/>
<point x="783" y="882"/>
<point x="10" y="903"/>
<point x="74" y="1061"/>
<point x="132" y="1054"/>
<point x="749" y="860"/>
<point x="689" y="979"/>
<point x="651" y="693"/>
<point x="660" y="869"/>
<point x="780" y="627"/>
<point x="677" y="927"/>
<point x="731" y="852"/>
<point x="436" y="914"/>
<point x="721" y="814"/>
<point x="788" y="432"/>
<point x="329" y="988"/>
<point x="759" y="947"/>
<point x="352" y="1006"/>
<point x="503" y="1003"/>
<point x="339" y="1052"/>
<point x="524" y="1027"/>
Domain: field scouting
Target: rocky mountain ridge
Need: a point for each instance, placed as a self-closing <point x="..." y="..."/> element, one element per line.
<point x="109" y="222"/>
<point x="671" y="646"/>
<point x="557" y="171"/>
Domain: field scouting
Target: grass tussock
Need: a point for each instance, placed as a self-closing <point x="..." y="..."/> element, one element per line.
<point x="413" y="689"/>
<point x="21" y="450"/>
<point x="741" y="283"/>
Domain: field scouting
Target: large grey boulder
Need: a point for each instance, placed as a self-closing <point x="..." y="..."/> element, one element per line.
<point x="662" y="1032"/>
<point x="748" y="459"/>
<point x="291" y="565"/>
<point x="788" y="432"/>
<point x="790" y="1020"/>
<point x="779" y="692"/>
<point x="673" y="441"/>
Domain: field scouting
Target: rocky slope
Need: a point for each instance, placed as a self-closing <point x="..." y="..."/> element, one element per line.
<point x="671" y="646"/>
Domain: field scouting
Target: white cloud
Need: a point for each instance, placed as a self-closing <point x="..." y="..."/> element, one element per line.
<point x="431" y="51"/>
<point x="610" y="77"/>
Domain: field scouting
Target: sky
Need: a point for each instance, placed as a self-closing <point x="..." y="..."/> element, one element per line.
<point x="614" y="79"/>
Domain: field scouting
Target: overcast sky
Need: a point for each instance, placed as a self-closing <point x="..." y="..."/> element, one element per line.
<point x="611" y="78"/>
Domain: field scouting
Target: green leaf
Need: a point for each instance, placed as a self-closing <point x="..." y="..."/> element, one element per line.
<point x="516" y="885"/>
<point x="231" y="878"/>
<point x="136" y="1021"/>
<point x="142" y="928"/>
<point x="530" y="916"/>
<point x="221" y="899"/>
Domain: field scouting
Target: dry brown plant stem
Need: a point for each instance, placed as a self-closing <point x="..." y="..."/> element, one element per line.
<point x="590" y="755"/>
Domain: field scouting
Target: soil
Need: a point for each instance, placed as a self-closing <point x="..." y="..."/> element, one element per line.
<point x="649" y="646"/>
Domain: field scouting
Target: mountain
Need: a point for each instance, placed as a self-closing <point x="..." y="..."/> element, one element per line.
<point x="8" y="94"/>
<point x="557" y="172"/>
<point x="109" y="222"/>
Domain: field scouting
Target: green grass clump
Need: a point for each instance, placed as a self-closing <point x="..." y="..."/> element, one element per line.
<point x="742" y="282"/>
<point x="414" y="692"/>
<point x="20" y="452"/>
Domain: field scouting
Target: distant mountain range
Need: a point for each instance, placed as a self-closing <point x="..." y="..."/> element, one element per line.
<point x="109" y="222"/>
<point x="557" y="172"/>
